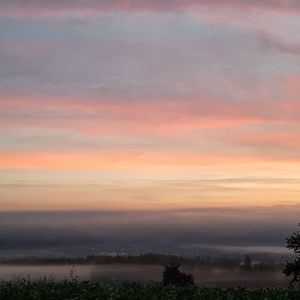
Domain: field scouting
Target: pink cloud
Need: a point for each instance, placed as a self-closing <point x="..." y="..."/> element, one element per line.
<point x="245" y="131"/>
<point x="289" y="140"/>
<point x="291" y="88"/>
<point x="36" y="7"/>
<point x="97" y="115"/>
<point x="122" y="161"/>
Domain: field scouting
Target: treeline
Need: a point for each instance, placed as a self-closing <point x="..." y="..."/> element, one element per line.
<point x="148" y="259"/>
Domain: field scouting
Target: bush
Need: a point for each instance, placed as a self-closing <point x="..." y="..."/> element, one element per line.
<point x="172" y="275"/>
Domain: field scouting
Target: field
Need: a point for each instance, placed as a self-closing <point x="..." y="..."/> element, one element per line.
<point x="45" y="290"/>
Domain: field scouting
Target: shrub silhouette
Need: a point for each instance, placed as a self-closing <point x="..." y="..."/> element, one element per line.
<point x="293" y="268"/>
<point x="172" y="275"/>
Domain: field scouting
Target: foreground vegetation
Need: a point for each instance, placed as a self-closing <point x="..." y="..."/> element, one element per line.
<point x="46" y="290"/>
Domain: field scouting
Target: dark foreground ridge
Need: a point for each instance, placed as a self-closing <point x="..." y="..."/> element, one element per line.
<point x="67" y="290"/>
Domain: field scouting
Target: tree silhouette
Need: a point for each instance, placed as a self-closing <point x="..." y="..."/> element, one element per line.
<point x="247" y="263"/>
<point x="172" y="275"/>
<point x="293" y="268"/>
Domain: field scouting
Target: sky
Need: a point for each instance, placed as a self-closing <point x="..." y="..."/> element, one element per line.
<point x="151" y="106"/>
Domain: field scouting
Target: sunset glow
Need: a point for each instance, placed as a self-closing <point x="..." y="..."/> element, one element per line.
<point x="149" y="105"/>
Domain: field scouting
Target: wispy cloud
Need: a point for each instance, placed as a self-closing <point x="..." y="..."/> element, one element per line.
<point x="279" y="45"/>
<point x="35" y="7"/>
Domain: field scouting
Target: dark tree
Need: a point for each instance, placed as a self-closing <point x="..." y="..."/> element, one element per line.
<point x="172" y="275"/>
<point x="293" y="268"/>
<point x="247" y="263"/>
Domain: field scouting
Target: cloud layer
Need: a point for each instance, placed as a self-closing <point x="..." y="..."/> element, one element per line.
<point x="158" y="90"/>
<point x="167" y="231"/>
<point x="132" y="5"/>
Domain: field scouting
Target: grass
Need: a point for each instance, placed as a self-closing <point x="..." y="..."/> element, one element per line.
<point x="74" y="290"/>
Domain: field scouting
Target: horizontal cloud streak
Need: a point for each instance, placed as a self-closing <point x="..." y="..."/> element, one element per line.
<point x="116" y="132"/>
<point x="165" y="115"/>
<point x="278" y="45"/>
<point x="38" y="6"/>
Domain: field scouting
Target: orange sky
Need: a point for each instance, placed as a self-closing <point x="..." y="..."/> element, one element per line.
<point x="149" y="105"/>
